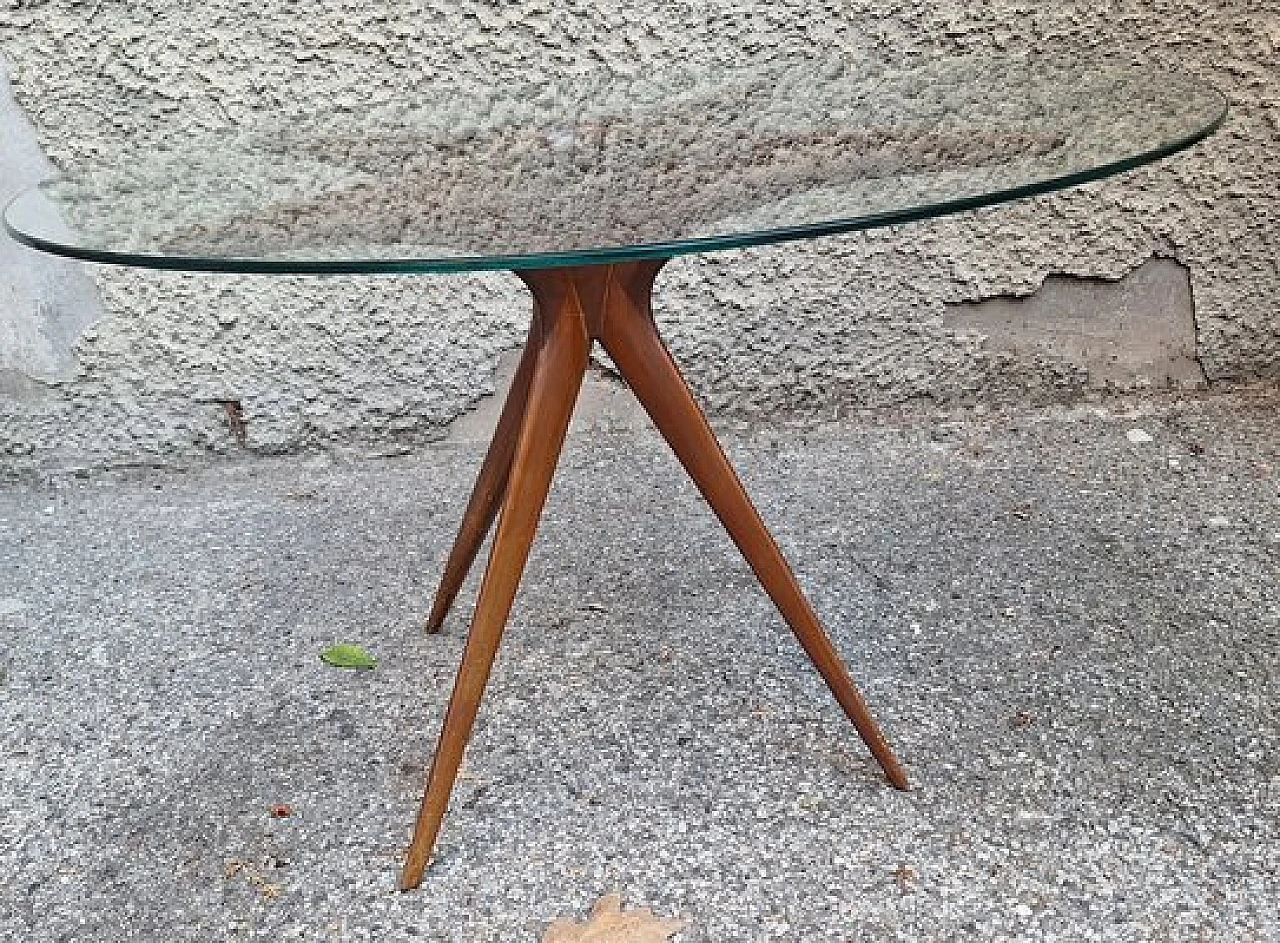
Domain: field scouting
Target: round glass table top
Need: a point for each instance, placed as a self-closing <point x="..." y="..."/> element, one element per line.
<point x="611" y="167"/>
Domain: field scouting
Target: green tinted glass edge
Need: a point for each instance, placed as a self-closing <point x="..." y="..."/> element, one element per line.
<point x="661" y="250"/>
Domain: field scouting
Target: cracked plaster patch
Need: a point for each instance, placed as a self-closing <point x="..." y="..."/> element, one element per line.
<point x="1136" y="332"/>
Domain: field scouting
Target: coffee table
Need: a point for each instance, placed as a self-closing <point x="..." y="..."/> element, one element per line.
<point x="584" y="187"/>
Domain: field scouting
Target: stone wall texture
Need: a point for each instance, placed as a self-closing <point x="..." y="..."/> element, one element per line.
<point x="801" y="329"/>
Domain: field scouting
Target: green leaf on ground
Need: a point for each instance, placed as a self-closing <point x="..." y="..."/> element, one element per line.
<point x="344" y="655"/>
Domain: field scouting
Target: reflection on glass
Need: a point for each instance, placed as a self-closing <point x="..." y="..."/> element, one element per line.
<point x="590" y="171"/>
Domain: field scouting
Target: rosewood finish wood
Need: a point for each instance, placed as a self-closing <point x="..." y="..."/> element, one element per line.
<point x="574" y="307"/>
<point x="491" y="483"/>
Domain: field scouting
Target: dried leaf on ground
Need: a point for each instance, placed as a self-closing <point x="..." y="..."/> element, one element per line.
<point x="906" y="877"/>
<point x="253" y="876"/>
<point x="609" y="923"/>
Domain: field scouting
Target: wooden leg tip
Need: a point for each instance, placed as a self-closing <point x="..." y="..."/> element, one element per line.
<point x="435" y="622"/>
<point x="411" y="875"/>
<point x="898" y="778"/>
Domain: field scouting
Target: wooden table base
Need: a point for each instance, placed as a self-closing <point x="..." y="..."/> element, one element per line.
<point x="573" y="307"/>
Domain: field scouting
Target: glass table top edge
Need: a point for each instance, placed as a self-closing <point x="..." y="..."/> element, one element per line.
<point x="267" y="265"/>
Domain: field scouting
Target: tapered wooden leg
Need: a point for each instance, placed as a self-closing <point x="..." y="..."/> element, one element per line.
<point x="574" y="306"/>
<point x="557" y="378"/>
<point x="631" y="338"/>
<point x="490" y="486"/>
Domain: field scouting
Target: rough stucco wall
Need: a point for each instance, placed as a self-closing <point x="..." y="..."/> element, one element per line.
<point x="800" y="328"/>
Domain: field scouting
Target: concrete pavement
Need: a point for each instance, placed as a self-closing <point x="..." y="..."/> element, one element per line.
<point x="1071" y="635"/>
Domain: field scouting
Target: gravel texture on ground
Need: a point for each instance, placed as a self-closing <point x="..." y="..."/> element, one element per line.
<point x="1070" y="632"/>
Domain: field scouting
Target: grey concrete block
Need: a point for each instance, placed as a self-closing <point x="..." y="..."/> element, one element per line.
<point x="44" y="302"/>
